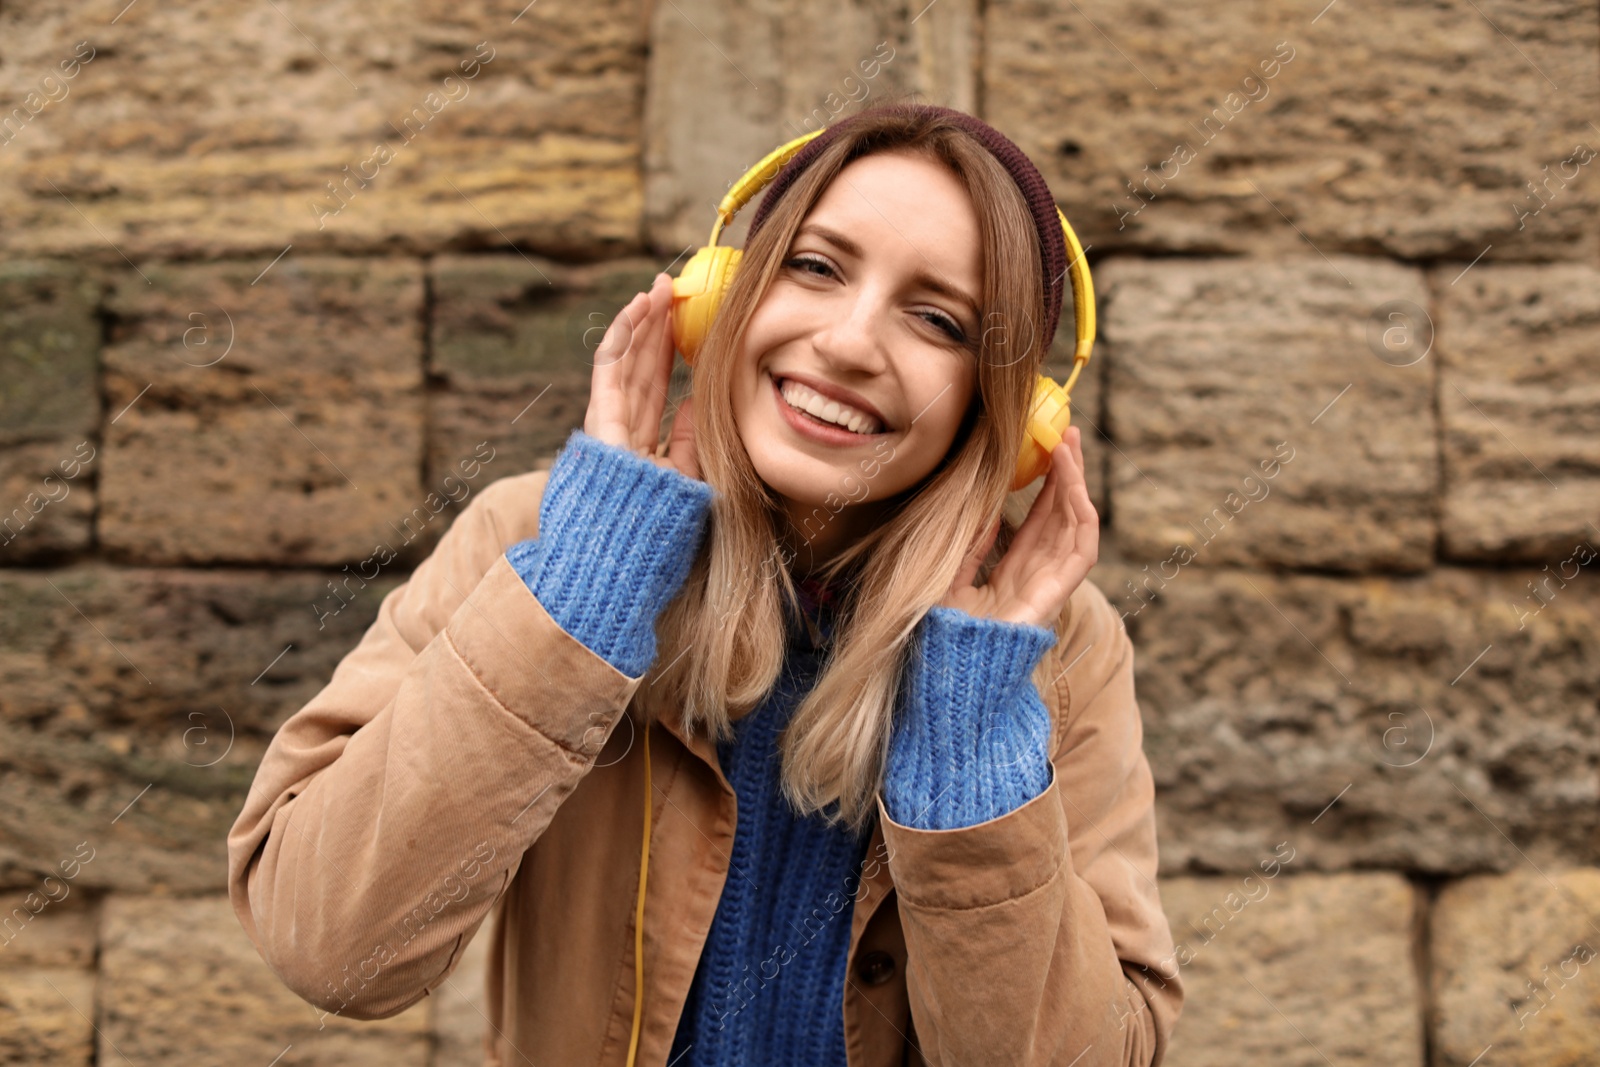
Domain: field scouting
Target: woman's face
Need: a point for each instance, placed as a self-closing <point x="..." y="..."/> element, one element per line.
<point x="872" y="321"/>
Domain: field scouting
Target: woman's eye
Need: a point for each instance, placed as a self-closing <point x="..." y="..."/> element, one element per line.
<point x="806" y="263"/>
<point x="948" y="325"/>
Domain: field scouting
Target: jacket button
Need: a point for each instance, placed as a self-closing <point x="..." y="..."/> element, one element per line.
<point x="875" y="968"/>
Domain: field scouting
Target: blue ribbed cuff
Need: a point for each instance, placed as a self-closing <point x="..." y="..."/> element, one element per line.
<point x="617" y="536"/>
<point x="972" y="742"/>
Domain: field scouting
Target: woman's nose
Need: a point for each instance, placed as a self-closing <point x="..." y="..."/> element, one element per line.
<point x="854" y="339"/>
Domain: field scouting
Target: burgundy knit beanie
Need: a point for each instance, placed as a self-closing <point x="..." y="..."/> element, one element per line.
<point x="1041" y="204"/>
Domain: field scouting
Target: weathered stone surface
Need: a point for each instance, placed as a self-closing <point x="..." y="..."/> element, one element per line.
<point x="47" y="970"/>
<point x="48" y="493"/>
<point x="49" y="407"/>
<point x="509" y="321"/>
<point x="512" y="350"/>
<point x="46" y="1015"/>
<point x="1453" y="740"/>
<point x="497" y="126"/>
<point x="47" y="955"/>
<point x="500" y="432"/>
<point x="1414" y="135"/>
<point x="50" y="925"/>
<point x="1253" y="422"/>
<point x="49" y="348"/>
<point x="1519" y="401"/>
<point x="730" y="83"/>
<point x="136" y="726"/>
<point x="279" y="422"/>
<point x="183" y="984"/>
<point x="1295" y="969"/>
<point x="1515" y="958"/>
<point x="460" y="1014"/>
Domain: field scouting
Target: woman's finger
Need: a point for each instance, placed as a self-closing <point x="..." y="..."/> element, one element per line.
<point x="655" y="357"/>
<point x="1088" y="520"/>
<point x="638" y="370"/>
<point x="619" y="335"/>
<point x="1071" y="479"/>
<point x="1048" y="572"/>
<point x="1080" y="524"/>
<point x="607" y="417"/>
<point x="1038" y="520"/>
<point x="1056" y="546"/>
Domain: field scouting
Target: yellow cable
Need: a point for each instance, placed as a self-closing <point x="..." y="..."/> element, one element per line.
<point x="638" y="919"/>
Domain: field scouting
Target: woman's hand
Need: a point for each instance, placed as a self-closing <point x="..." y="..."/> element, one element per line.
<point x="628" y="391"/>
<point x="1052" y="553"/>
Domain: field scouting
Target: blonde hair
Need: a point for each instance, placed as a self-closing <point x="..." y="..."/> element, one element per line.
<point x="723" y="640"/>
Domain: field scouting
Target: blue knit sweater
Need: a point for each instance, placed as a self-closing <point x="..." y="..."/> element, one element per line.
<point x="970" y="742"/>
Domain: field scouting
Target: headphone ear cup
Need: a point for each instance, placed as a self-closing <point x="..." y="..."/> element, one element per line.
<point x="697" y="293"/>
<point x="1048" y="418"/>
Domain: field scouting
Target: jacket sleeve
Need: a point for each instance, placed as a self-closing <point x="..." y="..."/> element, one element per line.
<point x="1037" y="937"/>
<point x="389" y="814"/>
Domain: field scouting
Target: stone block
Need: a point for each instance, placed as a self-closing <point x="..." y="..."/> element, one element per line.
<point x="421" y="126"/>
<point x="181" y="982"/>
<point x="1295" y="969"/>
<point x="512" y="344"/>
<point x="507" y="323"/>
<point x="1255" y="421"/>
<point x="279" y="422"/>
<point x="48" y="492"/>
<point x="49" y="351"/>
<point x="49" y="925"/>
<point x="1519" y="403"/>
<point x="47" y="1016"/>
<point x="1420" y="723"/>
<point x="49" y="407"/>
<point x="135" y="706"/>
<point x="500" y="433"/>
<point x="1264" y="128"/>
<point x="793" y="68"/>
<point x="1515" y="958"/>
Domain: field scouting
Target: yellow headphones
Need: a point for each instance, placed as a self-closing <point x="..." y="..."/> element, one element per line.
<point x="698" y="289"/>
<point x="697" y="292"/>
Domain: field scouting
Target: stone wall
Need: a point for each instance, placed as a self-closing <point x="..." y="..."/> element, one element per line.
<point x="282" y="286"/>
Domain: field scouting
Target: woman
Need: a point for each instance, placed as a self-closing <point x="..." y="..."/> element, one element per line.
<point x="897" y="816"/>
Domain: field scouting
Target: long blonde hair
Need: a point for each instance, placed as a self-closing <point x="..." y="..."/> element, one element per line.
<point x="722" y="641"/>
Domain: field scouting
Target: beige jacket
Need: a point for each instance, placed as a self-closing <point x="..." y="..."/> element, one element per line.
<point x="471" y="760"/>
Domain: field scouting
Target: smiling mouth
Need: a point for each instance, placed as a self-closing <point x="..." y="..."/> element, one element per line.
<point x="798" y="398"/>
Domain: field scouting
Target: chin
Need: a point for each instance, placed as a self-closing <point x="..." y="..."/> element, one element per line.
<point x="793" y="475"/>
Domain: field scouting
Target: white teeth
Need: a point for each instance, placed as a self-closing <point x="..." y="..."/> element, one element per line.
<point x="809" y="400"/>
